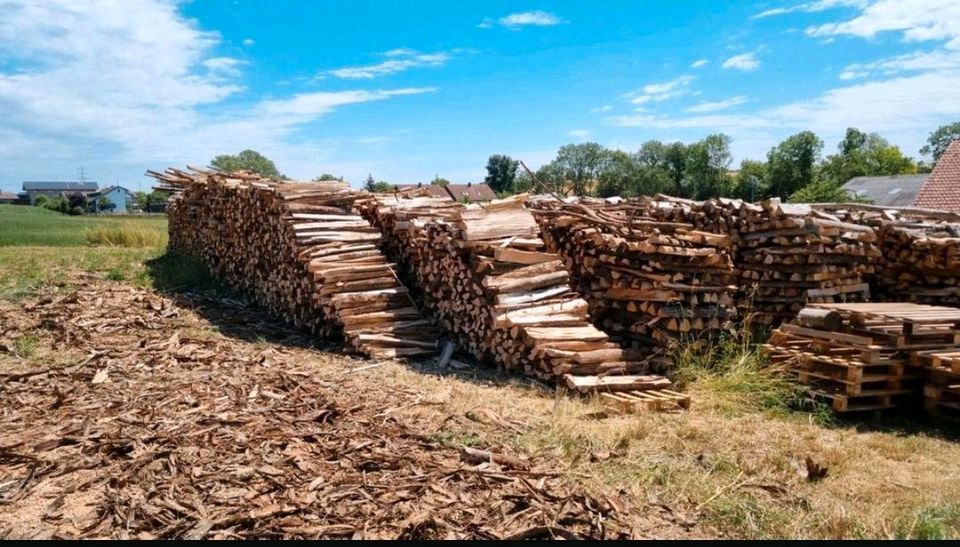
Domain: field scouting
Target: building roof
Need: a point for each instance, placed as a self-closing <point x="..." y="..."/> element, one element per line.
<point x="473" y="192"/>
<point x="5" y="196"/>
<point x="436" y="191"/>
<point x="60" y="186"/>
<point x="889" y="190"/>
<point x="942" y="189"/>
<point x="107" y="190"/>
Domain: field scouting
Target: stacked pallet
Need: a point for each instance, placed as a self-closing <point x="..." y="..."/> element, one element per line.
<point x="485" y="273"/>
<point x="789" y="255"/>
<point x="301" y="251"/>
<point x="941" y="393"/>
<point x="648" y="282"/>
<point x="862" y="356"/>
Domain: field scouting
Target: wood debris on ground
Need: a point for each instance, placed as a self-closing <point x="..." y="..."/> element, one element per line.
<point x="300" y="249"/>
<point x="197" y="434"/>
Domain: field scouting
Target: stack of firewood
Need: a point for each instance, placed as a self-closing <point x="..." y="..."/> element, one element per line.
<point x="920" y="252"/>
<point x="486" y="275"/>
<point x="301" y="251"/>
<point x="790" y="254"/>
<point x="648" y="282"/>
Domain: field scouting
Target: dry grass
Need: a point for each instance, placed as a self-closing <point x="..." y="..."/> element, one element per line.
<point x="731" y="467"/>
<point x="125" y="235"/>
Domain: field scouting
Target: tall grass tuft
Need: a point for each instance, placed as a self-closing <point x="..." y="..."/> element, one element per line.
<point x="733" y="368"/>
<point x="125" y="235"/>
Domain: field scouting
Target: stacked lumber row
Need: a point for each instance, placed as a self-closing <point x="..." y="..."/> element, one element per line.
<point x="648" y="282"/>
<point x="920" y="252"/>
<point x="793" y="254"/>
<point x="864" y="356"/>
<point x="485" y="273"/>
<point x="302" y="252"/>
<point x="786" y="255"/>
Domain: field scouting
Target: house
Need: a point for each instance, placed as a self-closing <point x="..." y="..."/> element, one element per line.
<point x="436" y="191"/>
<point x="8" y="198"/>
<point x="470" y="192"/>
<point x="941" y="191"/>
<point x="32" y="189"/>
<point x="888" y="191"/>
<point x="454" y="192"/>
<point x="117" y="198"/>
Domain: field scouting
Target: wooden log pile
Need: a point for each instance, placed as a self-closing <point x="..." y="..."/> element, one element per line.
<point x="789" y="255"/>
<point x="486" y="275"/>
<point x="866" y="356"/>
<point x="300" y="250"/>
<point x="648" y="282"/>
<point x="920" y="252"/>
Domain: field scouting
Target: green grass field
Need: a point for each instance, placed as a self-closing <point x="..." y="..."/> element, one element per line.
<point x="39" y="246"/>
<point x="36" y="226"/>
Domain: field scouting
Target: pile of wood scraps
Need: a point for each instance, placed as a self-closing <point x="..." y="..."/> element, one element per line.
<point x="864" y="356"/>
<point x="302" y="251"/>
<point x="648" y="282"/>
<point x="486" y="275"/>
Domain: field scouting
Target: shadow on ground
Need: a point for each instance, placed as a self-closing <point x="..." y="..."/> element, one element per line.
<point x="190" y="283"/>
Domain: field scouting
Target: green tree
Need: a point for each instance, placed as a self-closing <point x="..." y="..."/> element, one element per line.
<point x="581" y="164"/>
<point x="327" y="177"/>
<point x="439" y="181"/>
<point x="705" y="172"/>
<point x="247" y="160"/>
<point x="501" y="172"/>
<point x="791" y="164"/>
<point x="41" y="200"/>
<point x="751" y="182"/>
<point x="652" y="154"/>
<point x="675" y="158"/>
<point x="619" y="175"/>
<point x="940" y="139"/>
<point x="523" y="183"/>
<point x="863" y="154"/>
<point x="378" y="187"/>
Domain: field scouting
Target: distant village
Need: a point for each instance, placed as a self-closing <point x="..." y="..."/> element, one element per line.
<point x="85" y="197"/>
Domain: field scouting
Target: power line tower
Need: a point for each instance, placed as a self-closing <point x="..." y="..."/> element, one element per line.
<point x="82" y="173"/>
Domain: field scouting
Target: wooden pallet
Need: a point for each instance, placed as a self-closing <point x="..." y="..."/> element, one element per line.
<point x="942" y="400"/>
<point x="947" y="359"/>
<point x="848" y="377"/>
<point x="905" y="322"/>
<point x="865" y="401"/>
<point x="655" y="400"/>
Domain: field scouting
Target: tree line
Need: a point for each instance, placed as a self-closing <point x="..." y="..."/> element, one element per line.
<point x="795" y="169"/>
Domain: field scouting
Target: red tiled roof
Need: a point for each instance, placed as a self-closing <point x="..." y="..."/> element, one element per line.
<point x="942" y="189"/>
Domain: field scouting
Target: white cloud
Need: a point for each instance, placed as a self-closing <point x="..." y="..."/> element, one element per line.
<point x="121" y="83"/>
<point x="659" y="92"/>
<point x="486" y="23"/>
<point x="248" y="42"/>
<point x="853" y="74"/>
<point x="530" y="18"/>
<point x="917" y="20"/>
<point x="604" y="108"/>
<point x="400" y="52"/>
<point x="718" y="105"/>
<point x="224" y="65"/>
<point x="811" y="7"/>
<point x="746" y="62"/>
<point x="699" y="63"/>
<point x="905" y="109"/>
<point x="579" y="133"/>
<point x="401" y="59"/>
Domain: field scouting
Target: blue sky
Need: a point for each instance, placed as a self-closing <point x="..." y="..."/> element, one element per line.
<point x="407" y="90"/>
